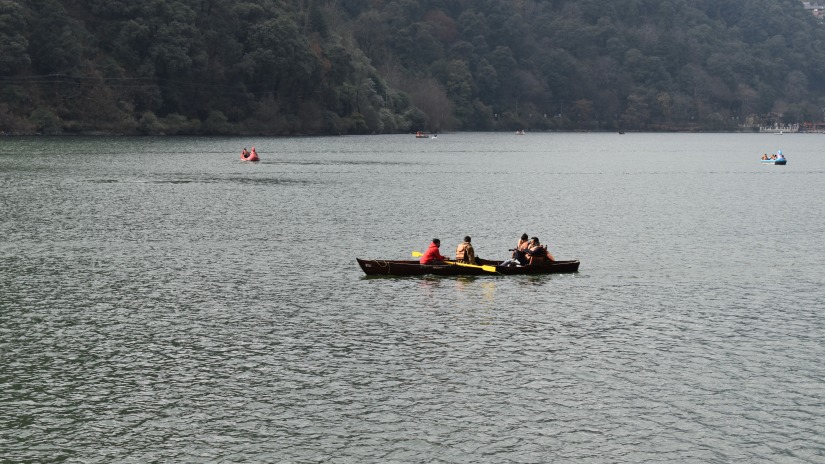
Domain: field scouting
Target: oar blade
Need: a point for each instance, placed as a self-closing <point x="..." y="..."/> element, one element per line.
<point x="484" y="268"/>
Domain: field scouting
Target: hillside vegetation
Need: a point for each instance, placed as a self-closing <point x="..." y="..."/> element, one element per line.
<point x="355" y="66"/>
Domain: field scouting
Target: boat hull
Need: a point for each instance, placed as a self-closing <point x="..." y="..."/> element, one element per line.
<point x="776" y="162"/>
<point x="376" y="267"/>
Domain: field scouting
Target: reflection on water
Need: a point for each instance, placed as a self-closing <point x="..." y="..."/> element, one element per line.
<point x="162" y="301"/>
<point x="488" y="290"/>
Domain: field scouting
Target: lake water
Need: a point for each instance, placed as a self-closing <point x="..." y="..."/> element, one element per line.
<point x="160" y="300"/>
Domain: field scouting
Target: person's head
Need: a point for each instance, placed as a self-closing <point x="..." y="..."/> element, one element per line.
<point x="467" y="239"/>
<point x="436" y="242"/>
<point x="524" y="236"/>
<point x="535" y="240"/>
<point x="253" y="148"/>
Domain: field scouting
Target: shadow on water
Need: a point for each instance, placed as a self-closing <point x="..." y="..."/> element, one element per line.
<point x="282" y="162"/>
<point x="432" y="277"/>
<point x="350" y="163"/>
<point x="214" y="180"/>
<point x="535" y="279"/>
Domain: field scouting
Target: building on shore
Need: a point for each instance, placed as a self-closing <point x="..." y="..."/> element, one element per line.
<point x="817" y="127"/>
<point x="781" y="128"/>
<point x="815" y="8"/>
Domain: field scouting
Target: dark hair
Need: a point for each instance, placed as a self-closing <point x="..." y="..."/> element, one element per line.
<point x="437" y="241"/>
<point x="524" y="236"/>
<point x="535" y="239"/>
<point x="467" y="238"/>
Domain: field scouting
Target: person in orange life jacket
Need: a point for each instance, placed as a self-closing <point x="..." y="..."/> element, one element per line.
<point x="432" y="256"/>
<point x="537" y="253"/>
<point x="464" y="253"/>
<point x="253" y="153"/>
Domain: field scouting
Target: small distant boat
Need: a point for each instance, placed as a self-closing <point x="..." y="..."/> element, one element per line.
<point x="519" y="132"/>
<point x="778" y="158"/>
<point x="250" y="156"/>
<point x="421" y="135"/>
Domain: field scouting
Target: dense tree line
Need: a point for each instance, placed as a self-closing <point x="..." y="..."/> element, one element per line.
<point x="352" y="66"/>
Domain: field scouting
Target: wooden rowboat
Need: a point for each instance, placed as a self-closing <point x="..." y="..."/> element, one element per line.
<point x="374" y="267"/>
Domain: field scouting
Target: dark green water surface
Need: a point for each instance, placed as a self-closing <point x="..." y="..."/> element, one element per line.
<point x="162" y="301"/>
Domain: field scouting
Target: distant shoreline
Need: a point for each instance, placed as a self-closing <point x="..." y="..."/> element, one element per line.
<point x="527" y="132"/>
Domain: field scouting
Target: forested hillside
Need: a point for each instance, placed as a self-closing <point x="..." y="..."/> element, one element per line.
<point x="357" y="66"/>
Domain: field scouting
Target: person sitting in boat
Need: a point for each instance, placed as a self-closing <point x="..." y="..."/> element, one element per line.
<point x="773" y="157"/>
<point x="779" y="155"/>
<point x="518" y="258"/>
<point x="253" y="154"/>
<point x="464" y="253"/>
<point x="765" y="156"/>
<point x="244" y="153"/>
<point x="520" y="254"/>
<point x="537" y="253"/>
<point x="432" y="255"/>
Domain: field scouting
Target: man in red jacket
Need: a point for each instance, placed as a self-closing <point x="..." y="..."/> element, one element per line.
<point x="432" y="256"/>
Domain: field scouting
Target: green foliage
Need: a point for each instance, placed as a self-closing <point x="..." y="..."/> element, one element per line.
<point x="149" y="124"/>
<point x="217" y="123"/>
<point x="46" y="122"/>
<point x="14" y="55"/>
<point x="55" y="46"/>
<point x="307" y="67"/>
<point x="175" y="124"/>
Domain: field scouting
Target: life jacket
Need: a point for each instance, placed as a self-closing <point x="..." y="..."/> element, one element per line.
<point x="537" y="255"/>
<point x="464" y="253"/>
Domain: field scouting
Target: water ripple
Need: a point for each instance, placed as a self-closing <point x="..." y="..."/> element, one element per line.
<point x="191" y="309"/>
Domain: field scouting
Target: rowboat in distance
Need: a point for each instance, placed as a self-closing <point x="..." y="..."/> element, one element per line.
<point x="376" y="267"/>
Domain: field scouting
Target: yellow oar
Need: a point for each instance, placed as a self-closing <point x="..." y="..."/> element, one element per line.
<point x="487" y="268"/>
